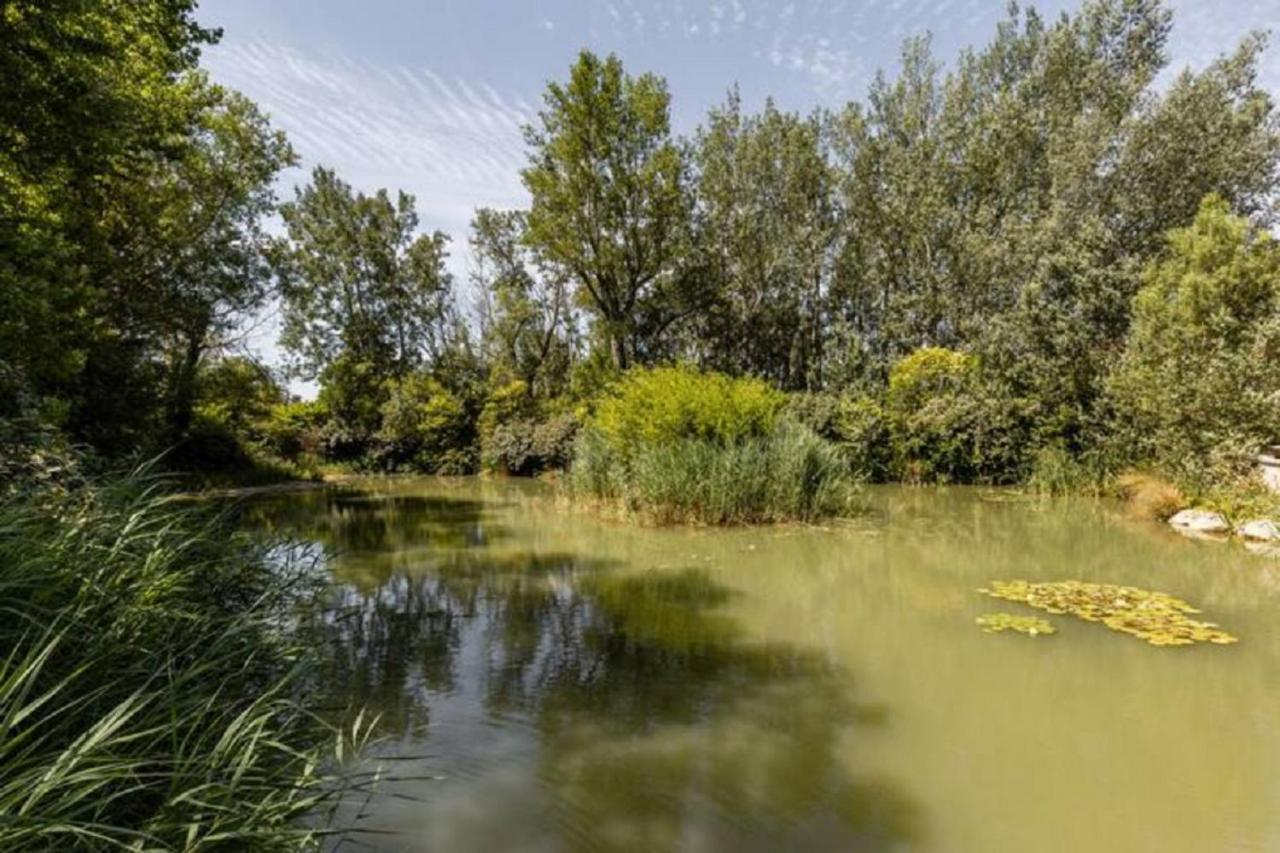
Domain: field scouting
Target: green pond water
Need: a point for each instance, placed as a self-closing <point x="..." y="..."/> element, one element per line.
<point x="551" y="681"/>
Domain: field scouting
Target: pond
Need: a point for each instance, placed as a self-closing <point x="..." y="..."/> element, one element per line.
<point x="551" y="681"/>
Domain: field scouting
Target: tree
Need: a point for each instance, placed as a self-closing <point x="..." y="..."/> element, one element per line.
<point x="609" y="200"/>
<point x="526" y="320"/>
<point x="366" y="298"/>
<point x="1198" y="388"/>
<point x="205" y="246"/>
<point x="98" y="95"/>
<point x="766" y="215"/>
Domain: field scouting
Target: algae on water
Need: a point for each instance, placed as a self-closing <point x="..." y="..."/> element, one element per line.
<point x="1158" y="618"/>
<point x="1032" y="626"/>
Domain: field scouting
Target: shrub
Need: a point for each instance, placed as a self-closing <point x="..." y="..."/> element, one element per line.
<point x="789" y="475"/>
<point x="856" y="423"/>
<point x="674" y="445"/>
<point x="926" y="374"/>
<point x="238" y="392"/>
<point x="1149" y="497"/>
<point x="424" y="428"/>
<point x="294" y="429"/>
<point x="862" y="431"/>
<point x="948" y="425"/>
<point x="504" y="403"/>
<point x="1197" y="391"/>
<point x="527" y="447"/>
<point x="816" y="410"/>
<point x="650" y="407"/>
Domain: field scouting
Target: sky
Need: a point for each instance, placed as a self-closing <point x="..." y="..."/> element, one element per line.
<point x="430" y="96"/>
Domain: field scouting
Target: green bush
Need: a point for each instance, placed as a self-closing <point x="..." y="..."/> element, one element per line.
<point x="293" y="430"/>
<point x="650" y="407"/>
<point x="527" y="447"/>
<point x="425" y="427"/>
<point x="948" y="425"/>
<point x="151" y="696"/>
<point x="238" y="392"/>
<point x="677" y="446"/>
<point x="862" y="431"/>
<point x="856" y="423"/>
<point x="1197" y="391"/>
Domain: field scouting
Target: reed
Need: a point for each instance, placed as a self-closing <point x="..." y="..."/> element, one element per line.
<point x="152" y="693"/>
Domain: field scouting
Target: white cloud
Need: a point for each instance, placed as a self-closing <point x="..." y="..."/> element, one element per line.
<point x="454" y="143"/>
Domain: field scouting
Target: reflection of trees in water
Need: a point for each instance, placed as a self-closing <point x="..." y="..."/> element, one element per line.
<point x="373" y="535"/>
<point x="660" y="726"/>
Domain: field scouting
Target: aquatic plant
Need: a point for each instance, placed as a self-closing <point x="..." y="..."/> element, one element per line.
<point x="1156" y="617"/>
<point x="1032" y="626"/>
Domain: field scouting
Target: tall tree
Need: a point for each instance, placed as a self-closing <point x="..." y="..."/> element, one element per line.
<point x="609" y="200"/>
<point x="131" y="212"/>
<point x="765" y="222"/>
<point x="526" y="321"/>
<point x="366" y="297"/>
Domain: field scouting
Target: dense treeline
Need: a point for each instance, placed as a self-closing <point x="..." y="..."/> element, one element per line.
<point x="945" y="275"/>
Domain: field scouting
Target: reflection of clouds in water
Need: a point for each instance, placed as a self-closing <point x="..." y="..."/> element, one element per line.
<point x="591" y="707"/>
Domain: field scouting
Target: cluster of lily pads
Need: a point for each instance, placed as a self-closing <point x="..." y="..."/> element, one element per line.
<point x="994" y="623"/>
<point x="1155" y="617"/>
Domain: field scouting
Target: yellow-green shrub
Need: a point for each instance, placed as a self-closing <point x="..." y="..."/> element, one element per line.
<point x="661" y="405"/>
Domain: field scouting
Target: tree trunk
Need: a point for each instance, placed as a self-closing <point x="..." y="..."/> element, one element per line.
<point x="182" y="383"/>
<point x="618" y="348"/>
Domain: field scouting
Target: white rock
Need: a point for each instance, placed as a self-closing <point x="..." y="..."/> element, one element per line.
<point x="1200" y="521"/>
<point x="1262" y="530"/>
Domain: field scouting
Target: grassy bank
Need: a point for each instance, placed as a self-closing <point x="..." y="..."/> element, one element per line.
<point x="151" y="694"/>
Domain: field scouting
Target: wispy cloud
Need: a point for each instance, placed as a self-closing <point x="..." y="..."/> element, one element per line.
<point x="454" y="143"/>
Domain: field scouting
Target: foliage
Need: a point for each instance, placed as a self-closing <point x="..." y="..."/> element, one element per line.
<point x="292" y="430"/>
<point x="1149" y="497"/>
<point x="1056" y="471"/>
<point x="132" y="193"/>
<point x="151" y="694"/>
<point x="526" y="329"/>
<point x="237" y="392"/>
<point x="425" y="427"/>
<point x="1198" y="389"/>
<point x="766" y="227"/>
<point x="657" y="406"/>
<point x="358" y="283"/>
<point x="524" y="447"/>
<point x="947" y="424"/>
<point x="606" y="136"/>
<point x="1160" y="619"/>
<point x="856" y="423"/>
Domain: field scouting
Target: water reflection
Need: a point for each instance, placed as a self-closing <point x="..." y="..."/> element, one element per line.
<point x="594" y="705"/>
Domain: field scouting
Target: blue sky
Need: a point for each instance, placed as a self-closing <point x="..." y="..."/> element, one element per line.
<point x="430" y="96"/>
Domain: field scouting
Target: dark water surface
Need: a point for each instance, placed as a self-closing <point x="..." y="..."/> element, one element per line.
<point x="548" y="681"/>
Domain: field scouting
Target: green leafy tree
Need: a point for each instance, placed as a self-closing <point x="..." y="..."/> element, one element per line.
<point x="766" y="226"/>
<point x="526" y="320"/>
<point x="131" y="193"/>
<point x="609" y="200"/>
<point x="1198" y="388"/>
<point x="366" y="298"/>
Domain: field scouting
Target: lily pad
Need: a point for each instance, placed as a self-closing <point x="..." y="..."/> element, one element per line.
<point x="1032" y="626"/>
<point x="1155" y="617"/>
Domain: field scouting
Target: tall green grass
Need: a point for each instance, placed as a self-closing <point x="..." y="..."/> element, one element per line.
<point x="787" y="474"/>
<point x="152" y="692"/>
